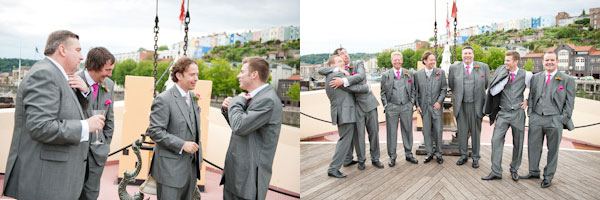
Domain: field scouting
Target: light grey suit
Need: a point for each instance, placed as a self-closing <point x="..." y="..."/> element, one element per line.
<point x="98" y="153"/>
<point x="46" y="158"/>
<point x="255" y="126"/>
<point x="399" y="110"/>
<point x="343" y="114"/>
<point x="468" y="113"/>
<point x="430" y="90"/>
<point x="366" y="114"/>
<point x="172" y="122"/>
<point x="557" y="109"/>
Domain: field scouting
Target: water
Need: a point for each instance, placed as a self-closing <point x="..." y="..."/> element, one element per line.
<point x="589" y="96"/>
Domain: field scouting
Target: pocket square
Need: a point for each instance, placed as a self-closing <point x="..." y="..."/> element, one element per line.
<point x="481" y="76"/>
<point x="560" y="88"/>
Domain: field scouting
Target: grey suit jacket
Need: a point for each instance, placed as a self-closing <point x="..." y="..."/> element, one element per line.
<point x="169" y="126"/>
<point x="366" y="100"/>
<point x="342" y="102"/>
<point x="255" y="129"/>
<point x="387" y="81"/>
<point x="100" y="152"/>
<point x="455" y="82"/>
<point x="46" y="158"/>
<point x="439" y="87"/>
<point x="563" y="99"/>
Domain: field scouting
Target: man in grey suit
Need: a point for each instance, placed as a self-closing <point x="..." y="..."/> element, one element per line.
<point x="468" y="81"/>
<point x="430" y="89"/>
<point x="551" y="101"/>
<point x="398" y="98"/>
<point x="343" y="114"/>
<point x="175" y="128"/>
<point x="255" y="121"/>
<point x="99" y="65"/>
<point x="508" y="84"/>
<point x="49" y="146"/>
<point x="366" y="112"/>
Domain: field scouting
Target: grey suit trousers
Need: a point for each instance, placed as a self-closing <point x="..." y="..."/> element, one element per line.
<point x="369" y="121"/>
<point x="91" y="185"/>
<point x="394" y="112"/>
<point x="468" y="121"/>
<point x="432" y="130"/>
<point x="346" y="132"/>
<point x="540" y="126"/>
<point x="164" y="192"/>
<point x="515" y="119"/>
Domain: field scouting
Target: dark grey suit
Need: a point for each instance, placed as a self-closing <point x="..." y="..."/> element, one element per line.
<point x="550" y="110"/>
<point x="172" y="122"/>
<point x="468" y="112"/>
<point x="366" y="114"/>
<point x="98" y="153"/>
<point x="46" y="158"/>
<point x="255" y="127"/>
<point x="398" y="98"/>
<point x="430" y="90"/>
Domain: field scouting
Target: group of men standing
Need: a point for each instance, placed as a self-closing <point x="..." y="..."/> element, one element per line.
<point x="354" y="109"/>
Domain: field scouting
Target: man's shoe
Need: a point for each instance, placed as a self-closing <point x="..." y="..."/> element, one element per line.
<point x="412" y="160"/>
<point x="440" y="160"/>
<point x="427" y="159"/>
<point x="528" y="176"/>
<point x="336" y="174"/>
<point x="361" y="165"/>
<point x="377" y="164"/>
<point x="515" y="176"/>
<point x="350" y="163"/>
<point x="475" y="164"/>
<point x="546" y="183"/>
<point x="392" y="162"/>
<point x="491" y="177"/>
<point x="461" y="161"/>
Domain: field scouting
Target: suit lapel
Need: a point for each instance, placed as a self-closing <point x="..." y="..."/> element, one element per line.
<point x="182" y="106"/>
<point x="64" y="83"/>
<point x="555" y="83"/>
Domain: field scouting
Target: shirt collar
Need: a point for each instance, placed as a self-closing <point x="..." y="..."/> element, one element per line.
<point x="428" y="70"/>
<point x="181" y="91"/>
<point x="253" y="93"/>
<point x="90" y="81"/>
<point x="515" y="72"/>
<point x="59" y="67"/>
<point x="396" y="71"/>
<point x="553" y="73"/>
<point x="470" y="66"/>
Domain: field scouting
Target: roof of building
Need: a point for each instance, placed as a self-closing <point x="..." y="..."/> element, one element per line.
<point x="534" y="55"/>
<point x="294" y="77"/>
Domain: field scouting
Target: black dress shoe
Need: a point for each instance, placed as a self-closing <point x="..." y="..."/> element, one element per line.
<point x="392" y="162"/>
<point x="546" y="183"/>
<point x="491" y="177"/>
<point x="336" y="174"/>
<point x="350" y="163"/>
<point x="475" y="164"/>
<point x="440" y="160"/>
<point x="427" y="159"/>
<point x="461" y="161"/>
<point x="361" y="165"/>
<point x="528" y="176"/>
<point x="377" y="164"/>
<point x="515" y="176"/>
<point x="412" y="160"/>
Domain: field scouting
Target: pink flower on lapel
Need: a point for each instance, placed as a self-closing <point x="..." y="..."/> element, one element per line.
<point x="107" y="102"/>
<point x="196" y="97"/>
<point x="409" y="80"/>
<point x="481" y="76"/>
<point x="438" y="73"/>
<point x="560" y="88"/>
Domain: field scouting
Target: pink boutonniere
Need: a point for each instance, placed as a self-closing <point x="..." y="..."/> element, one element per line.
<point x="107" y="102"/>
<point x="438" y="73"/>
<point x="409" y="80"/>
<point x="560" y="88"/>
<point x="353" y="73"/>
<point x="481" y="76"/>
<point x="346" y="67"/>
<point x="196" y="97"/>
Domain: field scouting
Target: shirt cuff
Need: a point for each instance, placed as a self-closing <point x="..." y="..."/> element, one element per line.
<point x="86" y="94"/>
<point x="181" y="151"/>
<point x="85" y="131"/>
<point x="346" y="84"/>
<point x="335" y="69"/>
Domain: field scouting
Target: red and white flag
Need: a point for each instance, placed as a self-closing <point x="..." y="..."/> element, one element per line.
<point x="182" y="14"/>
<point x="454" y="10"/>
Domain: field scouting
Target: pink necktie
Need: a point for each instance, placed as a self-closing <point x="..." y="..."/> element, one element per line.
<point x="95" y="86"/>
<point x="548" y="81"/>
<point x="187" y="99"/>
<point x="398" y="74"/>
<point x="468" y="73"/>
<point x="249" y="97"/>
<point x="512" y="77"/>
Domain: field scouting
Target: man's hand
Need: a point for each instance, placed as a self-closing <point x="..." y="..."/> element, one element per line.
<point x="78" y="83"/>
<point x="436" y="106"/>
<point x="190" y="147"/>
<point x="524" y="105"/>
<point x="226" y="102"/>
<point x="345" y="72"/>
<point x="336" y="82"/>
<point x="95" y="122"/>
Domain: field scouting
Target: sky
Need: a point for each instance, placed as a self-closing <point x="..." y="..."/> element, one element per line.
<point x="126" y="25"/>
<point x="370" y="26"/>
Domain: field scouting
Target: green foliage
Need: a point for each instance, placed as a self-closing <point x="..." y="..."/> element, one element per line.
<point x="494" y="57"/>
<point x="237" y="51"/>
<point x="294" y="92"/>
<point x="141" y="49"/>
<point x="314" y="58"/>
<point x="567" y="32"/>
<point x="8" y="64"/>
<point x="144" y="68"/>
<point x="163" y="47"/>
<point x="528" y="65"/>
<point x="384" y="60"/>
<point x="223" y="77"/>
<point x="583" y="21"/>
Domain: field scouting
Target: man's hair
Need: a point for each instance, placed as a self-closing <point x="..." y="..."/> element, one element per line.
<point x="258" y="64"/>
<point x="180" y="66"/>
<point x="97" y="57"/>
<point x="515" y="55"/>
<point x="468" y="47"/>
<point x="425" y="56"/>
<point x="337" y="51"/>
<point x="396" y="53"/>
<point x="331" y="60"/>
<point x="57" y="38"/>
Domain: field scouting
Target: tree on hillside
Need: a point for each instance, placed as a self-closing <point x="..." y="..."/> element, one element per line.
<point x="384" y="60"/>
<point x="528" y="65"/>
<point x="294" y="92"/>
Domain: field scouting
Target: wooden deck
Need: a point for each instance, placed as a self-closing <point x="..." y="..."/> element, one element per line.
<point x="577" y="177"/>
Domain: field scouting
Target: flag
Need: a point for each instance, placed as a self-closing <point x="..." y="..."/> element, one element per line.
<point x="454" y="10"/>
<point x="182" y="15"/>
<point x="448" y="26"/>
